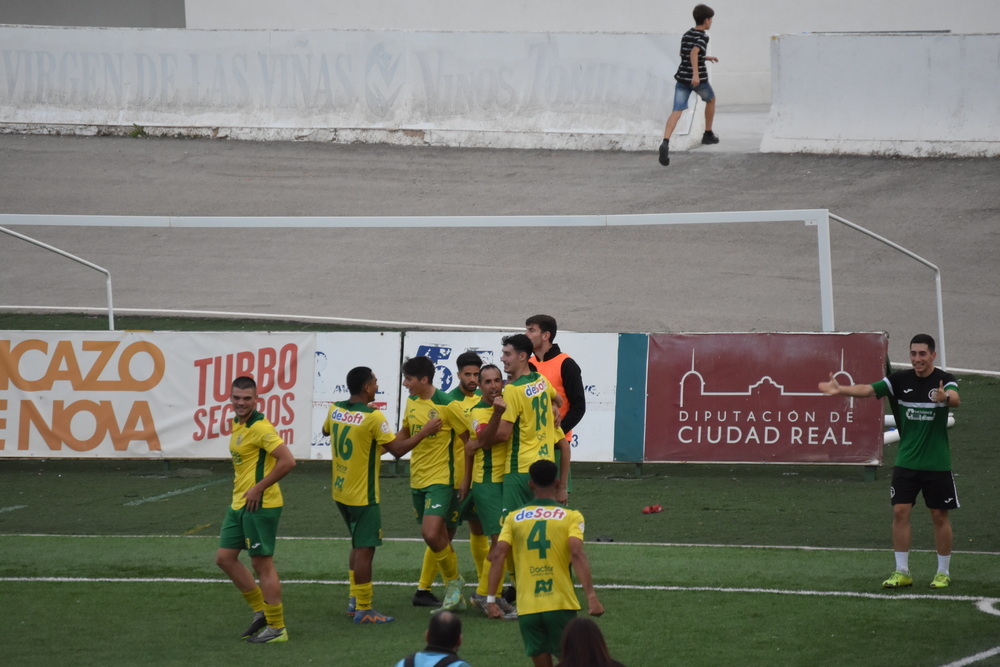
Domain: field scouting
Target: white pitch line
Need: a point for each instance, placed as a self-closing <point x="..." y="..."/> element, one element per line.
<point x="175" y="492"/>
<point x="12" y="508"/>
<point x="684" y="545"/>
<point x="975" y="658"/>
<point x="979" y="599"/>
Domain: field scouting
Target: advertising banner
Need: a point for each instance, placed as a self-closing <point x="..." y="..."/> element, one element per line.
<point x="145" y="394"/>
<point x="336" y="354"/>
<point x="597" y="355"/>
<point x="753" y="398"/>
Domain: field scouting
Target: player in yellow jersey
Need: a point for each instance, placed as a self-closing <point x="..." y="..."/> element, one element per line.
<point x="260" y="459"/>
<point x="528" y="422"/>
<point x="432" y="479"/>
<point x="358" y="433"/>
<point x="468" y="395"/>
<point x="487" y="478"/>
<point x="546" y="540"/>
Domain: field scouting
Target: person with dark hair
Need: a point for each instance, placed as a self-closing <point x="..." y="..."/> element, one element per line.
<point x="358" y="434"/>
<point x="467" y="395"/>
<point x="583" y="646"/>
<point x="260" y="458"/>
<point x="546" y="540"/>
<point x="487" y="480"/>
<point x="527" y="421"/>
<point x="920" y="399"/>
<point x="432" y="479"/>
<point x="692" y="76"/>
<point x="443" y="637"/>
<point x="561" y="371"/>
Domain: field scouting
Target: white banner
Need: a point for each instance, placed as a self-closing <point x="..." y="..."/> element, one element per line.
<point x="344" y="85"/>
<point x="145" y="394"/>
<point x="336" y="354"/>
<point x="597" y="355"/>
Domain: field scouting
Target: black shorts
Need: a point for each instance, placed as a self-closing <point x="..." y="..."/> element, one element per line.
<point x="938" y="488"/>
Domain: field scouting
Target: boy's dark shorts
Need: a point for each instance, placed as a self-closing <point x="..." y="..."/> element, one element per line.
<point x="938" y="487"/>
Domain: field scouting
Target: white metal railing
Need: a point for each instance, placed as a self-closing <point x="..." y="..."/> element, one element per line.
<point x="820" y="218"/>
<point x="80" y="260"/>
<point x="937" y="280"/>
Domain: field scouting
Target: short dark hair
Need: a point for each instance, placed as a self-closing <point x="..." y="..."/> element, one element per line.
<point x="357" y="378"/>
<point x="923" y="339"/>
<point x="445" y="630"/>
<point x="419" y="367"/>
<point x="520" y="343"/>
<point x="487" y="367"/>
<point x="702" y="13"/>
<point x="244" y="382"/>
<point x="543" y="473"/>
<point x="545" y="323"/>
<point x="468" y="358"/>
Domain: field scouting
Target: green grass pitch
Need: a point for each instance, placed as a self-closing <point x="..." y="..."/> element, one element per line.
<point x="747" y="565"/>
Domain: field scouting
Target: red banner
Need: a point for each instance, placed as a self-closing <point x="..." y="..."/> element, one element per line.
<point x="753" y="398"/>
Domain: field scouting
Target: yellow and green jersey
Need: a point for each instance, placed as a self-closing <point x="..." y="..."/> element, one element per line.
<point x="490" y="463"/>
<point x="538" y="534"/>
<point x="357" y="433"/>
<point x="433" y="460"/>
<point x="466" y="404"/>
<point x="529" y="408"/>
<point x="250" y="445"/>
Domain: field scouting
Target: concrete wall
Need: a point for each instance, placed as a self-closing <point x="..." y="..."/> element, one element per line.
<point x="740" y="34"/>
<point x="96" y="13"/>
<point x="595" y="91"/>
<point x="915" y="95"/>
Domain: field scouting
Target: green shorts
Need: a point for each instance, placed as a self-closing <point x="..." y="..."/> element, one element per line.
<point x="435" y="500"/>
<point x="462" y="510"/>
<point x="364" y="522"/>
<point x="516" y="492"/>
<point x="488" y="497"/>
<point x="253" y="531"/>
<point x="543" y="631"/>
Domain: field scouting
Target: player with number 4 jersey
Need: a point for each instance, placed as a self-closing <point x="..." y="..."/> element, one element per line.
<point x="546" y="541"/>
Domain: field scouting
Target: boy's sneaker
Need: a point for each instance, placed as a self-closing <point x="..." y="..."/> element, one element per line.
<point x="424" y="598"/>
<point x="270" y="635"/>
<point x="898" y="580"/>
<point x="453" y="600"/>
<point x="941" y="580"/>
<point x="256" y="625"/>
<point x="477" y="601"/>
<point x="509" y="610"/>
<point x="352" y="605"/>
<point x="371" y="616"/>
<point x="709" y="138"/>
<point x="665" y="152"/>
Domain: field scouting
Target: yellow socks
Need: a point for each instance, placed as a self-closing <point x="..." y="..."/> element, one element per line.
<point x="275" y="615"/>
<point x="254" y="598"/>
<point x="479" y="545"/>
<point x="427" y="571"/>
<point x="363" y="593"/>
<point x="447" y="561"/>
